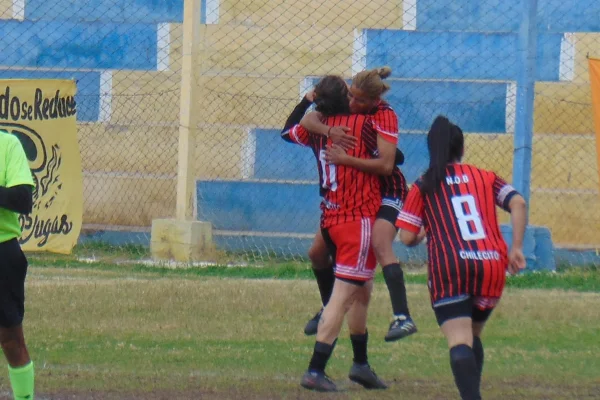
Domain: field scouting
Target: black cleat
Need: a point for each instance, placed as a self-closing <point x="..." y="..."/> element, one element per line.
<point x="313" y="325"/>
<point x="365" y="376"/>
<point x="317" y="381"/>
<point x="400" y="327"/>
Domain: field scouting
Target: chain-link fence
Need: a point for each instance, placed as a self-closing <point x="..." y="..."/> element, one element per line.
<point x="125" y="57"/>
<point x="255" y="61"/>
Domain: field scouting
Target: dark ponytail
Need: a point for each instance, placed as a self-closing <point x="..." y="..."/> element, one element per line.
<point x="445" y="142"/>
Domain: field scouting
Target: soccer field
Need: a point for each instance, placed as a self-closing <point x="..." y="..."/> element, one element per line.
<point x="125" y="333"/>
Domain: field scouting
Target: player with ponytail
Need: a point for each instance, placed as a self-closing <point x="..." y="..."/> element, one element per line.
<point x="456" y="203"/>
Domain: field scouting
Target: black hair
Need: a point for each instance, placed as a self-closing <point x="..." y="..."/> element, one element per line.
<point x="446" y="143"/>
<point x="331" y="96"/>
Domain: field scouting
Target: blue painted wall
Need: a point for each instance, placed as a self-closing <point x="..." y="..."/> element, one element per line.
<point x="62" y="44"/>
<point x="131" y="11"/>
<point x="278" y="159"/>
<point x="503" y="15"/>
<point x="458" y="55"/>
<point x="259" y="206"/>
<point x="475" y="106"/>
<point x="88" y="88"/>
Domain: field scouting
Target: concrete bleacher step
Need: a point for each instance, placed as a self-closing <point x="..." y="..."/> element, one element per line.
<point x="563" y="108"/>
<point x="477" y="106"/>
<point x="565" y="162"/>
<point x="286" y="50"/>
<point x="272" y="158"/>
<point x="584" y="45"/>
<point x="6" y="9"/>
<point x="220" y="151"/>
<point x="76" y="45"/>
<point x="259" y="206"/>
<point x="141" y="97"/>
<point x="573" y="217"/>
<point x="355" y="13"/>
<point x="505" y="15"/>
<point x="455" y="55"/>
<point x="120" y="11"/>
<point x="127" y="199"/>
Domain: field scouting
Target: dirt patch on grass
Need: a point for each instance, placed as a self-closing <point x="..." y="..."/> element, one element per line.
<point x="415" y="389"/>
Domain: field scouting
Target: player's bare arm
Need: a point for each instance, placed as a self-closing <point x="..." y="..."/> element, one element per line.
<point x="412" y="239"/>
<point x="382" y="165"/>
<point x="338" y="134"/>
<point x="518" y="217"/>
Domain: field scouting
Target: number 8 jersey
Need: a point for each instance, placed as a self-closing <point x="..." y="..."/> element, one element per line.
<point x="467" y="254"/>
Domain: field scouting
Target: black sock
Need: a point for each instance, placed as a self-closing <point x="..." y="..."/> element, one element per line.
<point x="359" y="346"/>
<point x="394" y="279"/>
<point x="325" y="280"/>
<point x="479" y="354"/>
<point x="464" y="368"/>
<point x="321" y="354"/>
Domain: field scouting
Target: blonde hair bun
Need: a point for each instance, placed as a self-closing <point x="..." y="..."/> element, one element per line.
<point x="384" y="72"/>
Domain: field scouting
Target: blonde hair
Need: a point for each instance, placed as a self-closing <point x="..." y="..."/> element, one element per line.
<point x="371" y="81"/>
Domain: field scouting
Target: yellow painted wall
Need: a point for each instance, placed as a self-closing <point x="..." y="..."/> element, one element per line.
<point x="119" y="199"/>
<point x="354" y="13"/>
<point x="573" y="217"/>
<point x="563" y="108"/>
<point x="6" y="9"/>
<point x="585" y="43"/>
<point x="274" y="51"/>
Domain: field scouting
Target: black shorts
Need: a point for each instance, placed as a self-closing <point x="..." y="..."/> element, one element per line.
<point x="478" y="309"/>
<point x="389" y="210"/>
<point x="13" y="269"/>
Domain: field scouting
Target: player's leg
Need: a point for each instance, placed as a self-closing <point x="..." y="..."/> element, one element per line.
<point x="361" y="372"/>
<point x="322" y="267"/>
<point x="13" y="269"/>
<point x="355" y="265"/>
<point x="384" y="233"/>
<point x="330" y="325"/>
<point x="482" y="309"/>
<point x="454" y="317"/>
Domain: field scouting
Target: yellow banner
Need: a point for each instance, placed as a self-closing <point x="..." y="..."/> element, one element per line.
<point x="595" y="82"/>
<point x="42" y="114"/>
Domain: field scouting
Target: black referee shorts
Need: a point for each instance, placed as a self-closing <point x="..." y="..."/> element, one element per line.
<point x="13" y="269"/>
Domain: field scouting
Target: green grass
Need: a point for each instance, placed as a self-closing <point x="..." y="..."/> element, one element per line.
<point x="583" y="279"/>
<point x="130" y="331"/>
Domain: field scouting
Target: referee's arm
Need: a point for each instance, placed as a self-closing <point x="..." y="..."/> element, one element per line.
<point x="17" y="195"/>
<point x="17" y="198"/>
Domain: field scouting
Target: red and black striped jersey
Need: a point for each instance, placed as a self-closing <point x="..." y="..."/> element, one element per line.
<point x="467" y="254"/>
<point x="349" y="194"/>
<point x="386" y="120"/>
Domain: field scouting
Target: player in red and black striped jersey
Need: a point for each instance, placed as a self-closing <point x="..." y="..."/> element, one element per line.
<point x="350" y="203"/>
<point x="454" y="205"/>
<point x="366" y="98"/>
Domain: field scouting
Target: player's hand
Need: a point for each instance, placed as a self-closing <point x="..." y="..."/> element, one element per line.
<point x="310" y="96"/>
<point x="516" y="261"/>
<point x="338" y="136"/>
<point x="422" y="235"/>
<point x="335" y="155"/>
